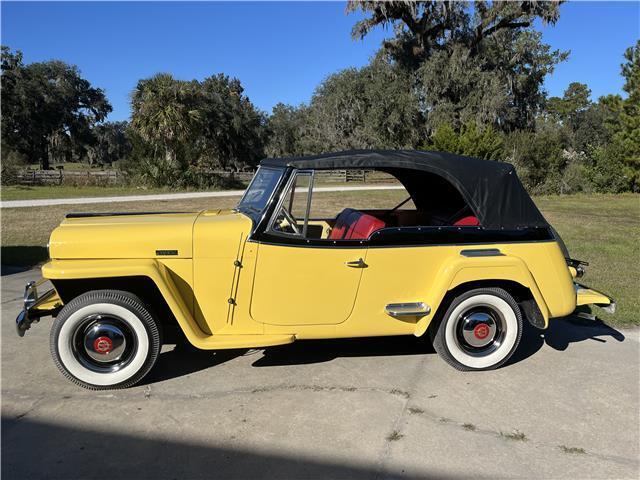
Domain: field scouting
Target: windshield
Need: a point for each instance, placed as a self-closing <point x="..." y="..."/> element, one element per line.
<point x="257" y="195"/>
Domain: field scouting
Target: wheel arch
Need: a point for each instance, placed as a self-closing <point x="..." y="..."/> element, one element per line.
<point x="506" y="272"/>
<point x="150" y="280"/>
<point x="141" y="286"/>
<point x="522" y="295"/>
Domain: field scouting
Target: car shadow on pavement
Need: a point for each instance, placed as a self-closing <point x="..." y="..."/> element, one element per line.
<point x="184" y="359"/>
<point x="561" y="333"/>
<point x="18" y="258"/>
<point x="34" y="449"/>
<point x="318" y="351"/>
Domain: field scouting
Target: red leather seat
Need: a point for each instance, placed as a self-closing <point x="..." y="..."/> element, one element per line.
<point x="354" y="225"/>
<point x="469" y="221"/>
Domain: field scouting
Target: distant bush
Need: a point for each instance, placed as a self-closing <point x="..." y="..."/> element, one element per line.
<point x="471" y="140"/>
<point x="12" y="163"/>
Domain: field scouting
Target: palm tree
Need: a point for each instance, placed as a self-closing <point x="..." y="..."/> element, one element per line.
<point x="164" y="113"/>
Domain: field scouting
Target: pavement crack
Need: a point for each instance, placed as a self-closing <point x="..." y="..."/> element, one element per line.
<point x="516" y="437"/>
<point x="150" y="394"/>
<point x="35" y="405"/>
<point x="11" y="300"/>
<point x="397" y="427"/>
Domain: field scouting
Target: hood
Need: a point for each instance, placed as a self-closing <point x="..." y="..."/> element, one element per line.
<point x="125" y="235"/>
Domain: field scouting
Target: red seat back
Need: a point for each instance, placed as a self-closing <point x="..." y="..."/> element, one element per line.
<point x="469" y="221"/>
<point x="354" y="225"/>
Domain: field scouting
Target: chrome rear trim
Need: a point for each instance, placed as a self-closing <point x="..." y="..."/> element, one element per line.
<point x="415" y="309"/>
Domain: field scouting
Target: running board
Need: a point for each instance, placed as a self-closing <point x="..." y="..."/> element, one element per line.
<point x="222" y="342"/>
<point x="416" y="309"/>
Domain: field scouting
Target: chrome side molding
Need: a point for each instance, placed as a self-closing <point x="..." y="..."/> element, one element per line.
<point x="482" y="252"/>
<point x="416" y="309"/>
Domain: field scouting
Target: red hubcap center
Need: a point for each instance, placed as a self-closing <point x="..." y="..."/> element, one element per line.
<point x="481" y="331"/>
<point x="103" y="345"/>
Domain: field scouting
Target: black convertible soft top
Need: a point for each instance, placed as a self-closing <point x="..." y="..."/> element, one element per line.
<point x="491" y="189"/>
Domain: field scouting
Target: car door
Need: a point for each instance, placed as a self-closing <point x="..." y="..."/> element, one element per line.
<point x="298" y="282"/>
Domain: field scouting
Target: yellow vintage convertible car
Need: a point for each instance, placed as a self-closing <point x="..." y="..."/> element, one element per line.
<point x="464" y="259"/>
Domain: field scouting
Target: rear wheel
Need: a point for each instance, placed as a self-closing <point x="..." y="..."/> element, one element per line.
<point x="105" y="339"/>
<point x="480" y="330"/>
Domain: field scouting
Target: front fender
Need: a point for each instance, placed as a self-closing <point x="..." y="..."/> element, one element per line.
<point x="151" y="268"/>
<point x="460" y="270"/>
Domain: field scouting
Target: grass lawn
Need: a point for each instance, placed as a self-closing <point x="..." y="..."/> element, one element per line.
<point x="37" y="192"/>
<point x="601" y="229"/>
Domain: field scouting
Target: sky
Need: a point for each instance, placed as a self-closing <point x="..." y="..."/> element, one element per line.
<point x="279" y="51"/>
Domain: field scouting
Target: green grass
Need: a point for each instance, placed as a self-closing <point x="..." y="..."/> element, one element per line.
<point x="37" y="192"/>
<point x="601" y="229"/>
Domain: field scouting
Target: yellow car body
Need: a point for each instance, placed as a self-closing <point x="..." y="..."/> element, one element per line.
<point x="224" y="283"/>
<point x="226" y="286"/>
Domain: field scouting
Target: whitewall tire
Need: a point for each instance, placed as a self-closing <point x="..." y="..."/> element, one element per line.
<point x="105" y="339"/>
<point x="480" y="330"/>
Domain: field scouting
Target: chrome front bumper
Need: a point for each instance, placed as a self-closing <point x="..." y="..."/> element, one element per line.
<point x="24" y="321"/>
<point x="31" y="299"/>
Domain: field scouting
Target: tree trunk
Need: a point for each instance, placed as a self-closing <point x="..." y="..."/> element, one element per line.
<point x="44" y="155"/>
<point x="170" y="156"/>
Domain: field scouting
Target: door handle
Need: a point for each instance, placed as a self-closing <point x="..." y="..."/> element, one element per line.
<point x="356" y="263"/>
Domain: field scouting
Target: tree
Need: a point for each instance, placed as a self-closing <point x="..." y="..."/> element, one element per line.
<point x="45" y="105"/>
<point x="285" y="128"/>
<point x="485" y="64"/>
<point x="422" y="27"/>
<point x="192" y="127"/>
<point x="232" y="128"/>
<point x="164" y="112"/>
<point x="574" y="102"/>
<point x="111" y="143"/>
<point x="628" y="136"/>
<point x="373" y="107"/>
<point x="537" y="156"/>
<point x="596" y="124"/>
<point x="501" y="86"/>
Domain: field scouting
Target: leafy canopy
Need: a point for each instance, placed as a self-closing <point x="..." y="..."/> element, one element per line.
<point x="41" y="102"/>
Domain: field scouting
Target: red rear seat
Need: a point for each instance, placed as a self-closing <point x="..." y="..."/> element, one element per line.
<point x="469" y="221"/>
<point x="354" y="225"/>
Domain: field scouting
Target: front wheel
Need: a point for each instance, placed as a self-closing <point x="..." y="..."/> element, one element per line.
<point x="480" y="330"/>
<point x="105" y="339"/>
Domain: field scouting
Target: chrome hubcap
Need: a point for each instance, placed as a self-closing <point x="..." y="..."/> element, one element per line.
<point x="480" y="330"/>
<point x="104" y="343"/>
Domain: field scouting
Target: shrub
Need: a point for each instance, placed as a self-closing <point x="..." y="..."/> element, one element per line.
<point x="12" y="163"/>
<point x="606" y="172"/>
<point x="484" y="142"/>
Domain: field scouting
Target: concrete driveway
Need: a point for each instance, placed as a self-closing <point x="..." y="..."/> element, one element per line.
<point x="568" y="407"/>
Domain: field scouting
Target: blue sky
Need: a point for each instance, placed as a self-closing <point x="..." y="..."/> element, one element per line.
<point x="280" y="51"/>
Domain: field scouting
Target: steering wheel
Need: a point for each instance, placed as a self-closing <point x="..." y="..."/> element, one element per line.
<point x="291" y="220"/>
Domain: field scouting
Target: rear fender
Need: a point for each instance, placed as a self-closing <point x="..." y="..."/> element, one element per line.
<point x="461" y="270"/>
